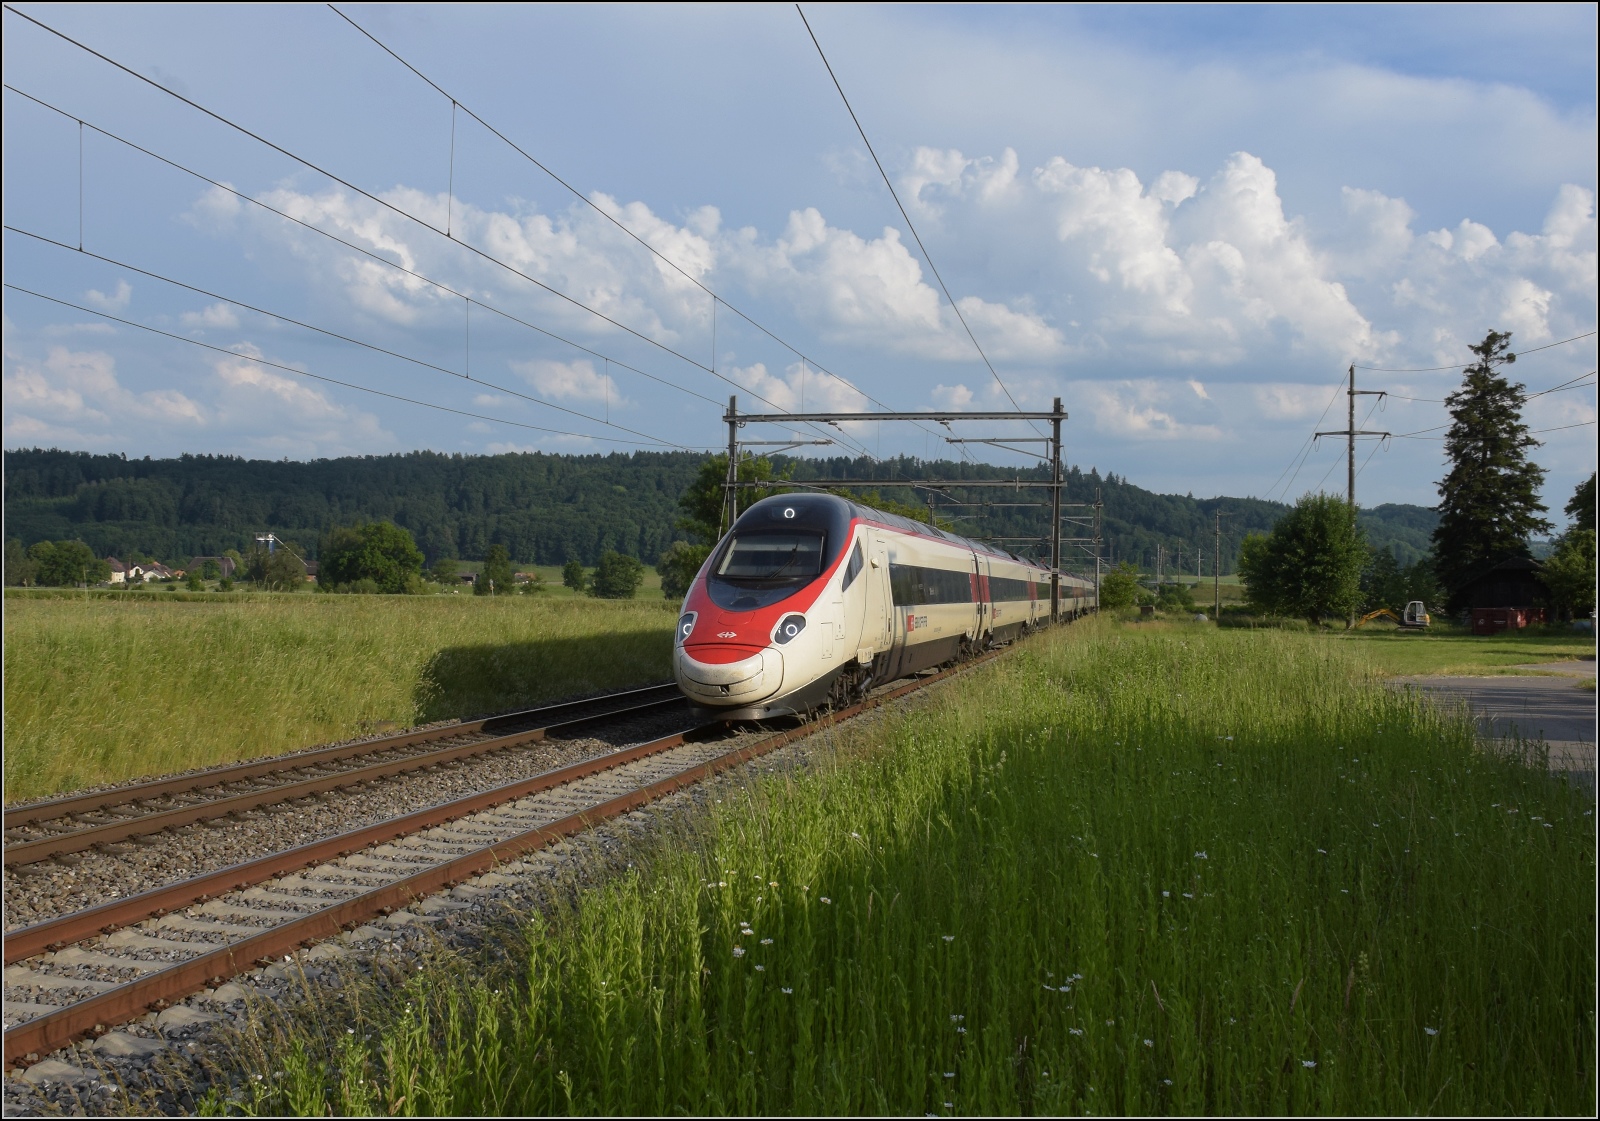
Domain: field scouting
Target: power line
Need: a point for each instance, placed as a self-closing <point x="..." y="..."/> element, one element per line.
<point x="388" y="205"/>
<point x="321" y="377"/>
<point x="909" y="225"/>
<point x="365" y="252"/>
<point x="1570" y="383"/>
<point x="342" y="338"/>
<point x="1463" y="365"/>
<point x="1305" y="448"/>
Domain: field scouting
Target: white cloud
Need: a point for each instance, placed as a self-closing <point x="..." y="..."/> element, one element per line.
<point x="1142" y="410"/>
<point x="800" y="388"/>
<point x="116" y="301"/>
<point x="217" y="315"/>
<point x="570" y="381"/>
<point x="952" y="397"/>
<point x="287" y="415"/>
<point x="1290" y="402"/>
<point x="81" y="388"/>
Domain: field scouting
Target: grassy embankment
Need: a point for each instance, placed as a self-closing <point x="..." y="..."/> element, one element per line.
<point x="110" y="688"/>
<point x="1123" y="871"/>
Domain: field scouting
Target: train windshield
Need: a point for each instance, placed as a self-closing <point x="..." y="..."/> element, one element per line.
<point x="758" y="569"/>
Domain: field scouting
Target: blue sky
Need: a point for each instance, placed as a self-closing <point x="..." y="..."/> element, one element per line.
<point x="1185" y="221"/>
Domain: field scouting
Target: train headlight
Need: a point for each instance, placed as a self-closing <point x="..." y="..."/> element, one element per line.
<point x="788" y="627"/>
<point x="685" y="628"/>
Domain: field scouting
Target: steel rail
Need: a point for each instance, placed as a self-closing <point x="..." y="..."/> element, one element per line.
<point x="74" y="927"/>
<point x="60" y="844"/>
<point x="31" y="813"/>
<point x="27" y="1042"/>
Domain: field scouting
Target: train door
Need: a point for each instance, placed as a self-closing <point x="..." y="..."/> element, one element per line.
<point x="878" y="605"/>
<point x="985" y="605"/>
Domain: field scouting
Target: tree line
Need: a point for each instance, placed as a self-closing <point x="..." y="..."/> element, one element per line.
<point x="549" y="509"/>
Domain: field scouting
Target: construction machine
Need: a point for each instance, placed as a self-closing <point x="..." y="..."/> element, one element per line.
<point x="1414" y="618"/>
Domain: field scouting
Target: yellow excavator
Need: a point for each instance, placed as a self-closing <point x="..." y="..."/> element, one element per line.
<point x="1414" y="618"/>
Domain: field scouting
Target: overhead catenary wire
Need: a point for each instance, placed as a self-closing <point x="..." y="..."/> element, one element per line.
<point x="341" y="337"/>
<point x="716" y="297"/>
<point x="607" y="215"/>
<point x="361" y="249"/>
<point x="901" y="206"/>
<point x="385" y="204"/>
<point x="322" y="377"/>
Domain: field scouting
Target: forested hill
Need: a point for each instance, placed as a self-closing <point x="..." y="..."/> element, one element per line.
<point x="547" y="509"/>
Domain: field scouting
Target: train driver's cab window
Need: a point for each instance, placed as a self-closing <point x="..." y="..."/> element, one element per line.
<point x="758" y="569"/>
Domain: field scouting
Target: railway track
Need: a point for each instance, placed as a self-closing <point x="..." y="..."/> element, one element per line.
<point x="61" y="826"/>
<point x="80" y="973"/>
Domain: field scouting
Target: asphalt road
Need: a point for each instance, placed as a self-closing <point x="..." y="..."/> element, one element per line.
<point x="1558" y="710"/>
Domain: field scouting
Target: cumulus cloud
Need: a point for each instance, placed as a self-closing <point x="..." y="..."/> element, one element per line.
<point x="569" y="381"/>
<point x="800" y="388"/>
<point x="117" y="300"/>
<point x="1141" y="410"/>
<point x="217" y="315"/>
<point x="952" y="397"/>
<point x="81" y="389"/>
<point x="288" y="415"/>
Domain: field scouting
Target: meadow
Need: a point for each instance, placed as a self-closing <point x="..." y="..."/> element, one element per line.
<point x="105" y="688"/>
<point x="1124" y="870"/>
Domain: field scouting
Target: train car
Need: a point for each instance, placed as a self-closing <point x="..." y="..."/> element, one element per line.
<point x="811" y="600"/>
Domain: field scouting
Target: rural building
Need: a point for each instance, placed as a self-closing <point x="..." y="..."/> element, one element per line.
<point x="1513" y="582"/>
<point x="144" y="573"/>
<point x="311" y="571"/>
<point x="119" y="571"/>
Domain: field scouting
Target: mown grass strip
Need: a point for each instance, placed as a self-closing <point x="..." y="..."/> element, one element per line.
<point x="1116" y="873"/>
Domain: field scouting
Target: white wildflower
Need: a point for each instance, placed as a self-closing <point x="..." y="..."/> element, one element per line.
<point x="1309" y="1064"/>
<point x="1431" y="1031"/>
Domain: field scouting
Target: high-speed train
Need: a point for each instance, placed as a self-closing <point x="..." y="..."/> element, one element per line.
<point x="812" y="599"/>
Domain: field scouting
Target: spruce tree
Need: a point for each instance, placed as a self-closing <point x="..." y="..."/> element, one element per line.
<point x="1489" y="502"/>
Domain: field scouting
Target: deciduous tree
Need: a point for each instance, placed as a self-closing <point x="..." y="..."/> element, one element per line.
<point x="703" y="504"/>
<point x="617" y="576"/>
<point x="574" y="576"/>
<point x="1489" y="502"/>
<point x="499" y="577"/>
<point x="381" y="552"/>
<point x="64" y="564"/>
<point x="678" y="566"/>
<point x="1309" y="566"/>
<point x="1120" y="586"/>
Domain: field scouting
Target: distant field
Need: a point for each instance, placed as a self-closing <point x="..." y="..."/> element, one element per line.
<point x="113" y="687"/>
<point x="1128" y="870"/>
<point x="1448" y="649"/>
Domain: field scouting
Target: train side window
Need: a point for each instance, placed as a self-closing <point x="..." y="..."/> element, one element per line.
<point x="853" y="568"/>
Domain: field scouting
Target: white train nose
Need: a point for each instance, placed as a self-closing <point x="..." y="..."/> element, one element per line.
<point x="737" y="682"/>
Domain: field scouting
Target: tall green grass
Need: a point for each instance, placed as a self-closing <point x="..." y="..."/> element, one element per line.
<point x="105" y="689"/>
<point x="1118" y="872"/>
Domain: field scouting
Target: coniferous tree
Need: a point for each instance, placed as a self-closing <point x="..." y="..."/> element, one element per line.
<point x="1489" y="502"/>
<point x="1581" y="507"/>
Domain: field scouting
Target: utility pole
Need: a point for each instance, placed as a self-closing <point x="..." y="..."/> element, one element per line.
<point x="1350" y="433"/>
<point x="1217" y="570"/>
<point x="731" y="502"/>
<point x="1158" y="569"/>
<point x="1055" y="511"/>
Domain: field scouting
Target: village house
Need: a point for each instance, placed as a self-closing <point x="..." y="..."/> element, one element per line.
<point x="119" y="571"/>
